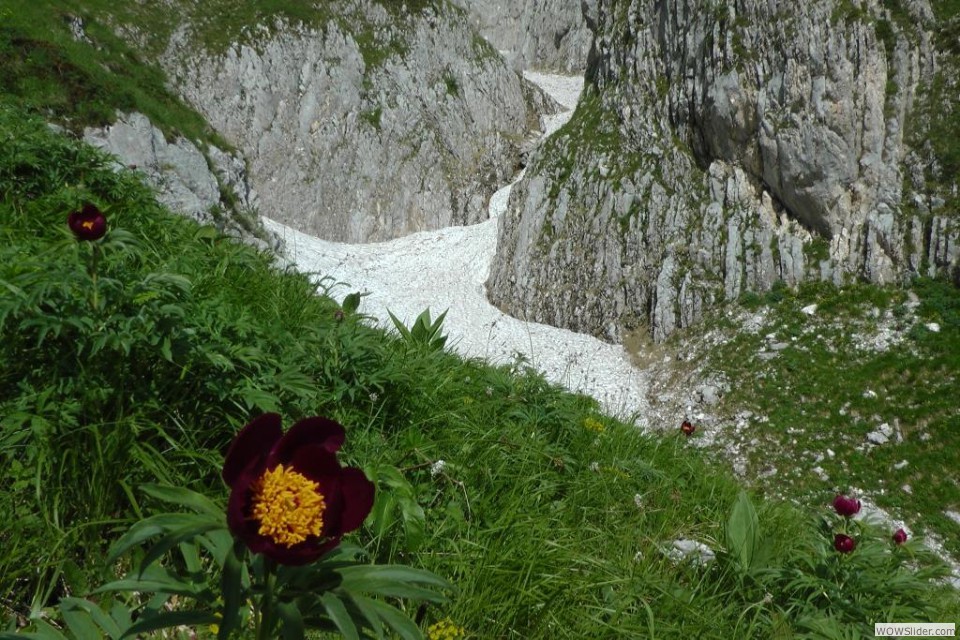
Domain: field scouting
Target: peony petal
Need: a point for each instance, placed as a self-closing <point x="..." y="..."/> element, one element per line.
<point x="309" y="431"/>
<point x="251" y="446"/>
<point x="241" y="525"/>
<point x="333" y="503"/>
<point x="298" y="554"/>
<point x="315" y="462"/>
<point x="358" y="494"/>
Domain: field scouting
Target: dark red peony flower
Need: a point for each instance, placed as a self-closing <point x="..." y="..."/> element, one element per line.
<point x="899" y="536"/>
<point x="88" y="223"/>
<point x="844" y="543"/>
<point x="289" y="497"/>
<point x="687" y="428"/>
<point x="846" y="506"/>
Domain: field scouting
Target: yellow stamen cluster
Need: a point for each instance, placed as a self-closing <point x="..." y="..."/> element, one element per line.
<point x="592" y="424"/>
<point x="445" y="630"/>
<point x="288" y="506"/>
<point x="87" y="224"/>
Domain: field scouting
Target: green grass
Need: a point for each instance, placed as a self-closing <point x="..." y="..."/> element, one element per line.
<point x="825" y="391"/>
<point x="548" y="525"/>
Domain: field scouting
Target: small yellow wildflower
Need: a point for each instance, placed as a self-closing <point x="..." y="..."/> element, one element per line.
<point x="592" y="424"/>
<point x="445" y="630"/>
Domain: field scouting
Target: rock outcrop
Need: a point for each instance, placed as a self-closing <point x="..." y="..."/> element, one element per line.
<point x="209" y="186"/>
<point x="722" y="146"/>
<point x="381" y="123"/>
<point x="537" y="34"/>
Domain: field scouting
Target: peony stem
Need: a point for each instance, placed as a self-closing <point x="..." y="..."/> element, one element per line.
<point x="93" y="276"/>
<point x="265" y="619"/>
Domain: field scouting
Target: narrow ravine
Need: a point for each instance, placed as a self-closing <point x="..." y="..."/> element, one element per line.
<point x="445" y="270"/>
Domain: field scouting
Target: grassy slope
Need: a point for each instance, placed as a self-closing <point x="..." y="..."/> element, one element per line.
<point x="193" y="335"/>
<point x="547" y="527"/>
<point x="828" y="389"/>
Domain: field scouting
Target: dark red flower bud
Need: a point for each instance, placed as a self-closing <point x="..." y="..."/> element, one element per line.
<point x="88" y="223"/>
<point x="687" y="428"/>
<point x="844" y="543"/>
<point x="846" y="506"/>
<point x="899" y="536"/>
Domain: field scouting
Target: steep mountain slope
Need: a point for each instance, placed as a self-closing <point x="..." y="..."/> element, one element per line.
<point x="542" y="34"/>
<point x="723" y="146"/>
<point x="376" y="123"/>
<point x="355" y="120"/>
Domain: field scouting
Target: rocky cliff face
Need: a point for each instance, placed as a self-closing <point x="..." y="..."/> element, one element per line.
<point x="722" y="146"/>
<point x="379" y="124"/>
<point x="209" y="186"/>
<point x="537" y="34"/>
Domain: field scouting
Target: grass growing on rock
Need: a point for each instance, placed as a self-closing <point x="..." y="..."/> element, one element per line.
<point x="809" y="390"/>
<point x="550" y="518"/>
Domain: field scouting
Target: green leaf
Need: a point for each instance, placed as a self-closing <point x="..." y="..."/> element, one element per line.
<point x="292" y="627"/>
<point x="70" y="606"/>
<point x="396" y="620"/>
<point x="155" y="580"/>
<point x="404" y="332"/>
<point x="80" y="624"/>
<point x="169" y="619"/>
<point x="45" y="631"/>
<point x="231" y="584"/>
<point x="184" y="498"/>
<point x="337" y="612"/>
<point x="743" y="531"/>
<point x="206" y="233"/>
<point x="351" y="303"/>
<point x="362" y="603"/>
<point x="394" y="581"/>
<point x="175" y="537"/>
<point x="156" y="525"/>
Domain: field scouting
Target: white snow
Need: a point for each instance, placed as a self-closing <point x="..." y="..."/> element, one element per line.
<point x="447" y="270"/>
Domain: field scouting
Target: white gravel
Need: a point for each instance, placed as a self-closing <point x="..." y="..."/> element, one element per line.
<point x="447" y="270"/>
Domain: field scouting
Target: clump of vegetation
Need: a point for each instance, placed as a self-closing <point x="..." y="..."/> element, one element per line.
<point x="861" y="357"/>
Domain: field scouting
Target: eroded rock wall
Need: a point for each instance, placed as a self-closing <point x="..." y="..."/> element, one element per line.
<point x="210" y="185"/>
<point x="380" y="124"/>
<point x="536" y="34"/>
<point x="722" y="146"/>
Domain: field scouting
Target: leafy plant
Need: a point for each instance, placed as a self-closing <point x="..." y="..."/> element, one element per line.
<point x="422" y="333"/>
<point x="211" y="577"/>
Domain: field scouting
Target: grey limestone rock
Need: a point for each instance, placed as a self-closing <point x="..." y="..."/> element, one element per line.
<point x="369" y="128"/>
<point x="536" y="34"/>
<point x="721" y="147"/>
<point x="188" y="181"/>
